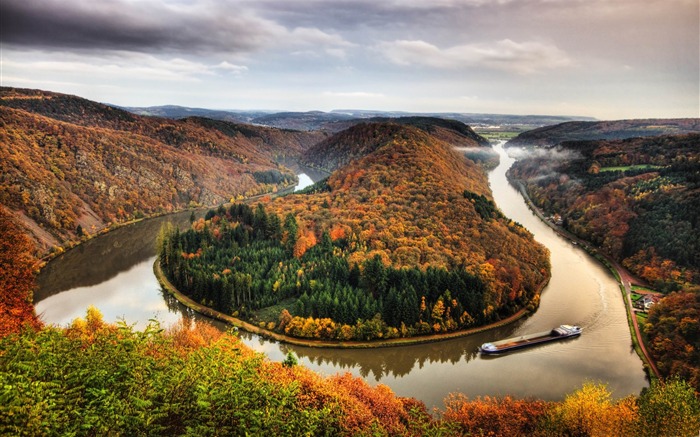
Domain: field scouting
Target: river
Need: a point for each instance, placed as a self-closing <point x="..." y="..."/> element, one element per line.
<point x="114" y="273"/>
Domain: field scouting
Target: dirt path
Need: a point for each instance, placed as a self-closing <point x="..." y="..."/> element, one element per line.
<point x="626" y="278"/>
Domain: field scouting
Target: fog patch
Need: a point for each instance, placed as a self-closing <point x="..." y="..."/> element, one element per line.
<point x="544" y="165"/>
<point x="549" y="154"/>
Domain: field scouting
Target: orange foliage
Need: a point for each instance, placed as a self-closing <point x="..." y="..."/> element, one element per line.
<point x="305" y="241"/>
<point x="494" y="416"/>
<point x="382" y="403"/>
<point x="361" y="406"/>
<point x="16" y="277"/>
<point x="188" y="335"/>
<point x="65" y="158"/>
<point x="337" y="232"/>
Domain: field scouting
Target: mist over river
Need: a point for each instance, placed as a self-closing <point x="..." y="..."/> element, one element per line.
<point x="114" y="273"/>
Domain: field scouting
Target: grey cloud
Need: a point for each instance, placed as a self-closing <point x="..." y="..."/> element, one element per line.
<point x="344" y="15"/>
<point x="133" y="26"/>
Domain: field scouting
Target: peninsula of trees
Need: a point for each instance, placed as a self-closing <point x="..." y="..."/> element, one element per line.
<point x="403" y="239"/>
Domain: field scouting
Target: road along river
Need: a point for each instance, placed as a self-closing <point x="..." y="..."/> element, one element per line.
<point x="114" y="272"/>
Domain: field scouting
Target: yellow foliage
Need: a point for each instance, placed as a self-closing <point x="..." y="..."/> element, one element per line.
<point x="590" y="411"/>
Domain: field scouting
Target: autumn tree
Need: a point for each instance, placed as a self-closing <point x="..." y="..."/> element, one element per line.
<point x="495" y="416"/>
<point x="16" y="277"/>
<point x="669" y="408"/>
<point x="590" y="411"/>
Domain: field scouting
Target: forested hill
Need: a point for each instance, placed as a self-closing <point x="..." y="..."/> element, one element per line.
<point x="414" y="202"/>
<point x="184" y="133"/>
<point x="604" y="130"/>
<point x="451" y="131"/>
<point x="638" y="199"/>
<point x="364" y="138"/>
<point x="71" y="166"/>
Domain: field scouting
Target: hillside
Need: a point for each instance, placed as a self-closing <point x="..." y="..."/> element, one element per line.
<point x="452" y="132"/>
<point x="362" y="139"/>
<point x="186" y="132"/>
<point x="403" y="240"/>
<point x="274" y="142"/>
<point x="408" y="178"/>
<point x="72" y="167"/>
<point x="604" y="130"/>
<point x="637" y="200"/>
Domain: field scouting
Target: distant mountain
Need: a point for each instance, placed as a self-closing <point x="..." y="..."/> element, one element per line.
<point x="340" y="119"/>
<point x="366" y="137"/>
<point x="177" y="112"/>
<point x="71" y="166"/>
<point x="604" y="130"/>
<point x="274" y="142"/>
<point x="312" y="120"/>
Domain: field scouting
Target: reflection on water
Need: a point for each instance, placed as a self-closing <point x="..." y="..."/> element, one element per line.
<point x="136" y="304"/>
<point x="376" y="364"/>
<point x="102" y="258"/>
<point x="119" y="281"/>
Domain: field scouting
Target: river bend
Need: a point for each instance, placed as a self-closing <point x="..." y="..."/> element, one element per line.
<point x="114" y="273"/>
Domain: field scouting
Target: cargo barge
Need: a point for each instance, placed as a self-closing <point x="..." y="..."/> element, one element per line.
<point x="560" y="333"/>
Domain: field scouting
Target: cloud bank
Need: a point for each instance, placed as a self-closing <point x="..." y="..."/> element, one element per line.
<point x="525" y="57"/>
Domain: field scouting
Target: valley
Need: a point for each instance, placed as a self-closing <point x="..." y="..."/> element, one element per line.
<point x="401" y="199"/>
<point x="580" y="291"/>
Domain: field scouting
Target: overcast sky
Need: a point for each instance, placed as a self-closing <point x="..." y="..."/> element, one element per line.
<point x="609" y="59"/>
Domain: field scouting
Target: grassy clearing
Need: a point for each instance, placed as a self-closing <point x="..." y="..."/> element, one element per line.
<point x="642" y="290"/>
<point x="641" y="321"/>
<point x="272" y="313"/>
<point x="631" y="167"/>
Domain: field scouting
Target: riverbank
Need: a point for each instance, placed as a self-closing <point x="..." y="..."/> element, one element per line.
<point x="394" y="342"/>
<point x="623" y="277"/>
